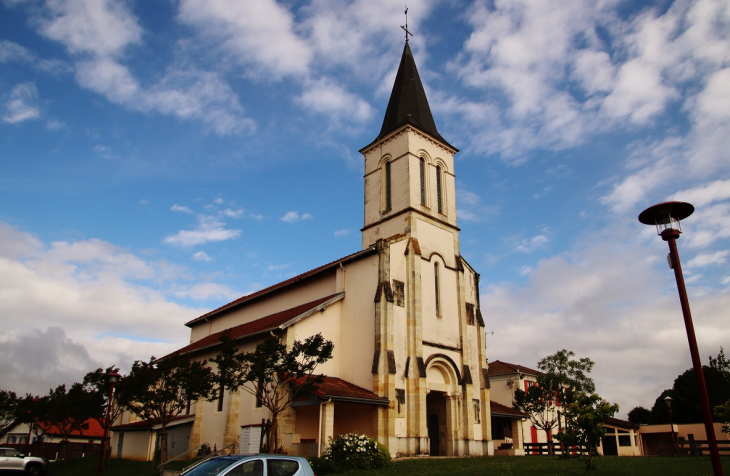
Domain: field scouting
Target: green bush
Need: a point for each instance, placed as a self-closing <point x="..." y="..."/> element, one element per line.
<point x="351" y="452"/>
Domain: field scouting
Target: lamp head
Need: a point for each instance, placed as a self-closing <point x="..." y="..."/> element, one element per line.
<point x="666" y="216"/>
<point x="113" y="377"/>
<point x="668" y="401"/>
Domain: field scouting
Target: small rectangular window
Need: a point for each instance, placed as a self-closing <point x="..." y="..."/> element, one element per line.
<point x="220" y="399"/>
<point x="470" y="314"/>
<point x="399" y="293"/>
<point x="400" y="396"/>
<point x="436" y="288"/>
<point x="624" y="440"/>
<point x="439" y="193"/>
<point x="477" y="411"/>
<point x="423" y="180"/>
<point x="387" y="187"/>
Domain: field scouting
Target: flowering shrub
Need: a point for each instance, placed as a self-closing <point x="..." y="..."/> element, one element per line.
<point x="351" y="451"/>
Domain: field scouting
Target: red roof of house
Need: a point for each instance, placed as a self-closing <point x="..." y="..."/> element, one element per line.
<point x="283" y="284"/>
<point x="501" y="368"/>
<point x="263" y="324"/>
<point x="93" y="430"/>
<point x="499" y="409"/>
<point x="338" y="389"/>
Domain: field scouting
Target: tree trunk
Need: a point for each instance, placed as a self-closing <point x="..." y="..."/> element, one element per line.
<point x="274" y="435"/>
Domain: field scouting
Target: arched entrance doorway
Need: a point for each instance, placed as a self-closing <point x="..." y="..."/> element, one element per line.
<point x="442" y="381"/>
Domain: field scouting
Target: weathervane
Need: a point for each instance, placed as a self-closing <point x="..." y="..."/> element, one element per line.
<point x="405" y="28"/>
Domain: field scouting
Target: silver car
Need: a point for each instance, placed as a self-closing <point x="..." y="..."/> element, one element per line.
<point x="255" y="465"/>
<point x="13" y="460"/>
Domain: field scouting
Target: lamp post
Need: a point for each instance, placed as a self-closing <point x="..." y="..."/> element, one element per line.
<point x="113" y="379"/>
<point x="668" y="401"/>
<point x="666" y="217"/>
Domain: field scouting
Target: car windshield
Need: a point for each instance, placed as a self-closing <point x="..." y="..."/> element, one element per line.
<point x="212" y="467"/>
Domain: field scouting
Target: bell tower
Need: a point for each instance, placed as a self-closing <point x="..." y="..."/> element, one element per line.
<point x="409" y="167"/>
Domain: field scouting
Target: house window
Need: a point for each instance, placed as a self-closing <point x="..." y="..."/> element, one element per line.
<point x="477" y="411"/>
<point x="399" y="293"/>
<point x="470" y="314"/>
<point x="220" y="399"/>
<point x="422" y="164"/>
<point x="436" y="288"/>
<point x="624" y="440"/>
<point x="388" y="202"/>
<point x="439" y="193"/>
<point x="400" y="396"/>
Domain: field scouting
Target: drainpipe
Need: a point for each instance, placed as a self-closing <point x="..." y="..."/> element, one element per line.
<point x="320" y="447"/>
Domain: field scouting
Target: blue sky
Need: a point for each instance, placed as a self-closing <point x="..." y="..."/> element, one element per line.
<point x="160" y="158"/>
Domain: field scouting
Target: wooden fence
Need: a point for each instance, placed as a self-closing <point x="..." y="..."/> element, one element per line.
<point x="54" y="450"/>
<point x="692" y="447"/>
<point x="544" y="449"/>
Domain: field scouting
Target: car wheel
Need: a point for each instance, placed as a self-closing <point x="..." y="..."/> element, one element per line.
<point x="34" y="470"/>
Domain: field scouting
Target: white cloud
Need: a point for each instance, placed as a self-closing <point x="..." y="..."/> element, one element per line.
<point x="276" y="267"/>
<point x="329" y="98"/>
<point x="22" y="104"/>
<point x="13" y="52"/>
<point x="231" y="213"/>
<point x="181" y="208"/>
<point x="201" y="256"/>
<point x="101" y="28"/>
<point x="294" y="216"/>
<point x="209" y="229"/>
<point x="203" y="291"/>
<point x="704" y="194"/>
<point x="708" y="259"/>
<point x="611" y="301"/>
<point x="531" y="244"/>
<point x="342" y="232"/>
<point x="259" y="35"/>
<point x="95" y="289"/>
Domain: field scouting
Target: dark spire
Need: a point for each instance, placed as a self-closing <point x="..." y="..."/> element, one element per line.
<point x="408" y="103"/>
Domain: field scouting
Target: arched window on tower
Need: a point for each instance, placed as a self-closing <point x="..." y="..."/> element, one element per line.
<point x="422" y="163"/>
<point x="388" y="202"/>
<point x="436" y="288"/>
<point x="439" y="192"/>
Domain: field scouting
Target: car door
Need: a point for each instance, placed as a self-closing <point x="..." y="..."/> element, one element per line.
<point x="282" y="467"/>
<point x="11" y="459"/>
<point x="254" y="467"/>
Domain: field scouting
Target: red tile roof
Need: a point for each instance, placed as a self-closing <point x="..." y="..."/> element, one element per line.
<point x="283" y="284"/>
<point x="258" y="326"/>
<point x="338" y="389"/>
<point x="93" y="430"/>
<point x="503" y="410"/>
<point x="501" y="368"/>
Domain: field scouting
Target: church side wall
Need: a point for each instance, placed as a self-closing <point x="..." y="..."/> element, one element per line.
<point x="308" y="291"/>
<point x="357" y="322"/>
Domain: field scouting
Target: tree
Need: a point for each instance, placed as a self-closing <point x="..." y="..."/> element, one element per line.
<point x="8" y="410"/>
<point x="161" y="389"/>
<point x="722" y="414"/>
<point x="563" y="378"/>
<point x="640" y="416"/>
<point x="97" y="384"/>
<point x="568" y="373"/>
<point x="276" y="376"/>
<point x="67" y="411"/>
<point x="686" y="406"/>
<point x="585" y="416"/>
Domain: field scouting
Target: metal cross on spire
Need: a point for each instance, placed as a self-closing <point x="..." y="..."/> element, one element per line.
<point x="405" y="28"/>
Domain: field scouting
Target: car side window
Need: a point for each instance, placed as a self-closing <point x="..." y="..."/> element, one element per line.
<point x="249" y="468"/>
<point x="282" y="467"/>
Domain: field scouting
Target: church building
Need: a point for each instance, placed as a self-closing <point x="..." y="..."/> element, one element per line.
<point x="409" y="366"/>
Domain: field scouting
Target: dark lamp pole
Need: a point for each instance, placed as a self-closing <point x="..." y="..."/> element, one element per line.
<point x="666" y="217"/>
<point x="668" y="401"/>
<point x="113" y="379"/>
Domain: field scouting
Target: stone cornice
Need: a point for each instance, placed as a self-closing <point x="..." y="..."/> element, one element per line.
<point x="403" y="130"/>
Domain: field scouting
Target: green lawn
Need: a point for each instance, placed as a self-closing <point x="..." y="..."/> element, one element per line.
<point x="492" y="466"/>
